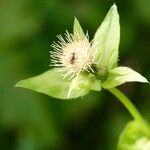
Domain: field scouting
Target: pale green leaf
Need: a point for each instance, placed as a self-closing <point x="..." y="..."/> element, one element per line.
<point x="106" y="40"/>
<point x="77" y="29"/>
<point x="84" y="82"/>
<point x="120" y="75"/>
<point x="53" y="84"/>
<point x="134" y="137"/>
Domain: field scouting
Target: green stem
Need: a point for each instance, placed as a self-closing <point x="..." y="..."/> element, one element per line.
<point x="130" y="107"/>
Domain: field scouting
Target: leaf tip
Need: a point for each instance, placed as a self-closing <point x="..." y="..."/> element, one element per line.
<point x="113" y="8"/>
<point x="146" y="81"/>
<point x="75" y="18"/>
<point x="18" y="84"/>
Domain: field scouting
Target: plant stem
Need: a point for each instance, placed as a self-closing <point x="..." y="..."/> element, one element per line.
<point x="127" y="103"/>
<point x="130" y="107"/>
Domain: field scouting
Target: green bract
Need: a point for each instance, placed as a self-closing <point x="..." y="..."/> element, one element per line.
<point x="134" y="138"/>
<point x="106" y="41"/>
<point x="52" y="84"/>
<point x="77" y="30"/>
<point x="106" y="74"/>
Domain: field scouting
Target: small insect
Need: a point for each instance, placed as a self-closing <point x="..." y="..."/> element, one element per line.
<point x="72" y="60"/>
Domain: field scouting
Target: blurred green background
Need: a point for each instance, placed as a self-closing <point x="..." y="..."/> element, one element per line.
<point x="32" y="121"/>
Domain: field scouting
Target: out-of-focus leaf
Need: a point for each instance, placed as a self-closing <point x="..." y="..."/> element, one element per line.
<point x="134" y="138"/>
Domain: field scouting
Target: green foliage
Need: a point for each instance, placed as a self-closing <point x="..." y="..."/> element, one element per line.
<point x="106" y="40"/>
<point x="105" y="50"/>
<point x="134" y="137"/>
<point x="120" y="75"/>
<point x="52" y="84"/>
<point x="34" y="121"/>
<point x="77" y="29"/>
<point x="49" y="83"/>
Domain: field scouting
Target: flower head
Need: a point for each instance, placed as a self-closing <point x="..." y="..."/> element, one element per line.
<point x="72" y="55"/>
<point x="88" y="65"/>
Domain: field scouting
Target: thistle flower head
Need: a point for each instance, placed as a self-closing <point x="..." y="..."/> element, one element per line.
<point x="72" y="55"/>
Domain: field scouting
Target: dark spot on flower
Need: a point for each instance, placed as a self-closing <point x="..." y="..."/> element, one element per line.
<point x="72" y="60"/>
